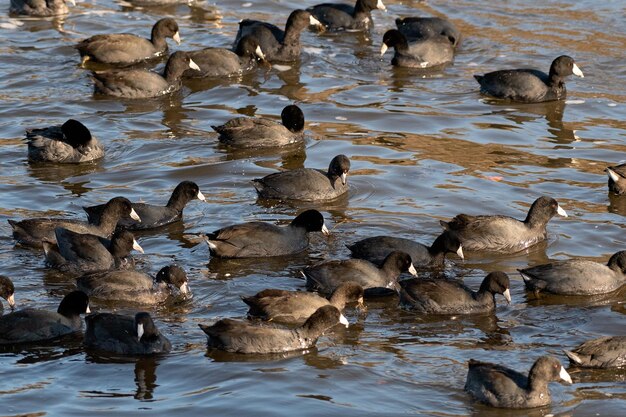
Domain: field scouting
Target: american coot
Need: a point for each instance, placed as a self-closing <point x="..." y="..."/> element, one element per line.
<point x="502" y="387"/>
<point x="7" y="291"/>
<point x="432" y="52"/>
<point x="258" y="132"/>
<point x="375" y="249"/>
<point x="135" y="286"/>
<point x="605" y="352"/>
<point x="334" y="16"/>
<point x="141" y="83"/>
<point x="278" y="45"/>
<point x="40" y="8"/>
<point x="428" y="27"/>
<point x="502" y="233"/>
<point x="69" y="143"/>
<point x="245" y="337"/>
<point x="259" y="239"/>
<point x="617" y="178"/>
<point x="294" y="307"/>
<point x="306" y="184"/>
<point x="529" y="85"/>
<point x="327" y="276"/>
<point x="222" y="62"/>
<point x="124" y="335"/>
<point x="78" y="253"/>
<point x="33" y="325"/>
<point x="31" y="232"/>
<point x="441" y="296"/>
<point x="577" y="276"/>
<point x="151" y="215"/>
<point x="126" y="48"/>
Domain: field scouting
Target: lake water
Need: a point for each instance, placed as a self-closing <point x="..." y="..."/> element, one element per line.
<point x="423" y="148"/>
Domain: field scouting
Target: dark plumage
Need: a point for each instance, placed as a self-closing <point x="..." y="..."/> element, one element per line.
<point x="278" y="45"/>
<point x="34" y="325"/>
<point x="40" y="8"/>
<point x="141" y="83"/>
<point x="294" y="307"/>
<point x="78" y="253"/>
<point x="69" y="143"/>
<point x="499" y="386"/>
<point x="31" y="232"/>
<point x="375" y="249"/>
<point x="124" y="335"/>
<point x="151" y="215"/>
<point x="245" y="337"/>
<point x="617" y="178"/>
<point x="259" y="239"/>
<point x="604" y="352"/>
<point x="222" y="62"/>
<point x="306" y="184"/>
<point x="530" y="85"/>
<point x="422" y="53"/>
<point x="127" y="48"/>
<point x="577" y="276"/>
<point x="7" y="291"/>
<point x="327" y="276"/>
<point x="441" y="296"/>
<point x="336" y="16"/>
<point x="428" y="27"/>
<point x="258" y="132"/>
<point x="134" y="286"/>
<point x="502" y="233"/>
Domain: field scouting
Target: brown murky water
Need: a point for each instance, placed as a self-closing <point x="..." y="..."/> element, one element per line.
<point x="422" y="149"/>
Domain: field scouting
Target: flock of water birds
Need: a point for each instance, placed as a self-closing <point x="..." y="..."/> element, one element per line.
<point x="96" y="252"/>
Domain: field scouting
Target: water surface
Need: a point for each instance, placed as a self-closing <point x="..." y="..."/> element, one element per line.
<point x="423" y="148"/>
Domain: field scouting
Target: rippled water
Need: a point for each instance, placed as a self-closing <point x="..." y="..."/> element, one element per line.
<point x="423" y="148"/>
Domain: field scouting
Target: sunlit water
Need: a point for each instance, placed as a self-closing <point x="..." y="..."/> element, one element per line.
<point x="423" y="148"/>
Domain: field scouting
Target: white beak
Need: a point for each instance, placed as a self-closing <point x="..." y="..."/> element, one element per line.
<point x="134" y="215"/>
<point x="343" y="320"/>
<point x="259" y="52"/>
<point x="137" y="247"/>
<point x="565" y="376"/>
<point x="343" y="178"/>
<point x="314" y="22"/>
<point x="193" y="65"/>
<point x="380" y="5"/>
<point x="139" y="331"/>
<point x="11" y="301"/>
<point x="201" y="196"/>
<point x="383" y="49"/>
<point x="88" y="310"/>
<point x="184" y="289"/>
<point x="412" y="270"/>
<point x="507" y="295"/>
<point x="72" y="2"/>
<point x="577" y="71"/>
<point x="176" y="37"/>
<point x="325" y="230"/>
<point x="459" y="252"/>
<point x="612" y="174"/>
<point x="560" y="211"/>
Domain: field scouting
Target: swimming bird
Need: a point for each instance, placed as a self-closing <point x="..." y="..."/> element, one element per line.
<point x="499" y="386"/>
<point x="151" y="215"/>
<point x="127" y="48"/>
<point x="69" y="143"/>
<point x="35" y="325"/>
<point x="505" y="234"/>
<point x="530" y="85"/>
<point x="245" y="337"/>
<point x="306" y="184"/>
<point x="260" y="239"/>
